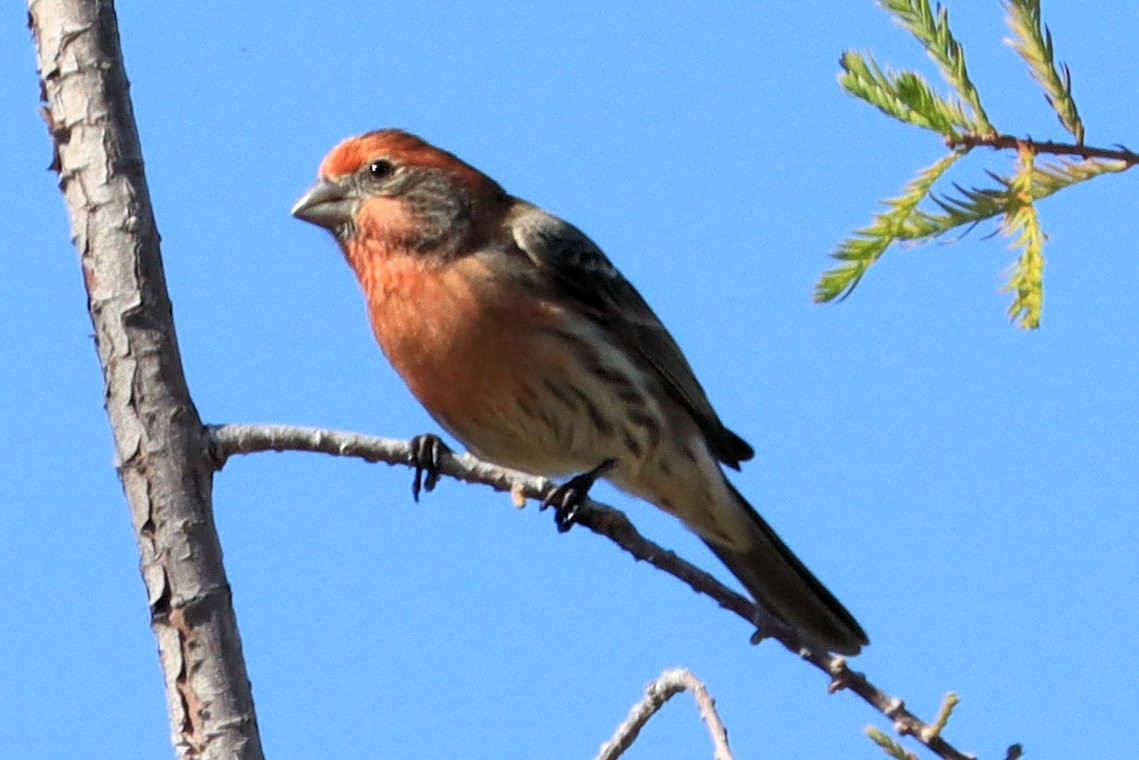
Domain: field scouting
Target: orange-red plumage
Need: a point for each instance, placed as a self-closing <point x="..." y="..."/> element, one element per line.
<point x="449" y="330"/>
<point x="355" y="152"/>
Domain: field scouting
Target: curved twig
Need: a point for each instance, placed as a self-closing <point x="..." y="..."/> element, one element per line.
<point x="670" y="683"/>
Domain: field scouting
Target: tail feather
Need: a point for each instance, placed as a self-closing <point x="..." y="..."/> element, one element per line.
<point x="783" y="585"/>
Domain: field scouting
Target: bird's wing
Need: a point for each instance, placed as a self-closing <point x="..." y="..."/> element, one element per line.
<point x="582" y="273"/>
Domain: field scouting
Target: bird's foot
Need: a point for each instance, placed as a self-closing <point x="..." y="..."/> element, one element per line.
<point x="567" y="498"/>
<point x="426" y="451"/>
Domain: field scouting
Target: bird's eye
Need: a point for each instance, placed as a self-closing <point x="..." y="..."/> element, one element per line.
<point x="381" y="168"/>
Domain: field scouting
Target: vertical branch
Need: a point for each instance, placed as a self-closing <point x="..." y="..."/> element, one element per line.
<point x="160" y="443"/>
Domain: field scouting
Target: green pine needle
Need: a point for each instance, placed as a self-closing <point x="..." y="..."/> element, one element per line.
<point x="1033" y="41"/>
<point x="961" y="120"/>
<point x="905" y="95"/>
<point x="859" y="252"/>
<point x="888" y="745"/>
<point x="1022" y="225"/>
<point x="947" y="706"/>
<point x="971" y="205"/>
<point x="1012" y="198"/>
<point x="932" y="30"/>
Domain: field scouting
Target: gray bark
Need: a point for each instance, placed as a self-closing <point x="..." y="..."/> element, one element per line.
<point x="161" y="447"/>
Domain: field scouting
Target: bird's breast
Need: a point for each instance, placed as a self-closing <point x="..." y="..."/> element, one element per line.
<point x="523" y="381"/>
<point x="466" y="341"/>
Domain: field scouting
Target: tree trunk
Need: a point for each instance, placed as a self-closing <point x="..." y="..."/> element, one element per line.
<point x="161" y="447"/>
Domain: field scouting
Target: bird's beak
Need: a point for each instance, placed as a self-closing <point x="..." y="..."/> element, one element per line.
<point x="326" y="204"/>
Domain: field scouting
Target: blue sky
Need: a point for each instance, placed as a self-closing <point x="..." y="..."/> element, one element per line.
<point x="967" y="489"/>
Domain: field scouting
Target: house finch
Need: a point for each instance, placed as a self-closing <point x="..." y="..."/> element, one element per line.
<point x="526" y="344"/>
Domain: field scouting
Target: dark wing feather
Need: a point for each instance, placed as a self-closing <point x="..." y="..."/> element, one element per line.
<point x="581" y="272"/>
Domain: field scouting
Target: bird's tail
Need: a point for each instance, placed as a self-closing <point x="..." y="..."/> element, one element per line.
<point x="782" y="584"/>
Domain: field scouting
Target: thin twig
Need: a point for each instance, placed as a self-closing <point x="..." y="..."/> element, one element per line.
<point x="670" y="683"/>
<point x="1008" y="142"/>
<point x="228" y="440"/>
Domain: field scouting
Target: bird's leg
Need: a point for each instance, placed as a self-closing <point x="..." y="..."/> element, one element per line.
<point x="426" y="450"/>
<point x="567" y="498"/>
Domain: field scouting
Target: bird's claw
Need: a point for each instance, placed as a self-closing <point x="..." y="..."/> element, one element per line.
<point x="426" y="451"/>
<point x="567" y="498"/>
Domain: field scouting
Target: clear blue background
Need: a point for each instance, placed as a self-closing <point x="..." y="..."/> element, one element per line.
<point x="967" y="489"/>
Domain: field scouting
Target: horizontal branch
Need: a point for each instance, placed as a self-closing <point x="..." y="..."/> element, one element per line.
<point x="229" y="440"/>
<point x="1048" y="147"/>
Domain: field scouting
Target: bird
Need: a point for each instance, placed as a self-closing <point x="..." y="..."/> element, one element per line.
<point x="525" y="343"/>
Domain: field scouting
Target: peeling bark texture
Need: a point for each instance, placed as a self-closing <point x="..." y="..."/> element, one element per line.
<point x="160" y="443"/>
